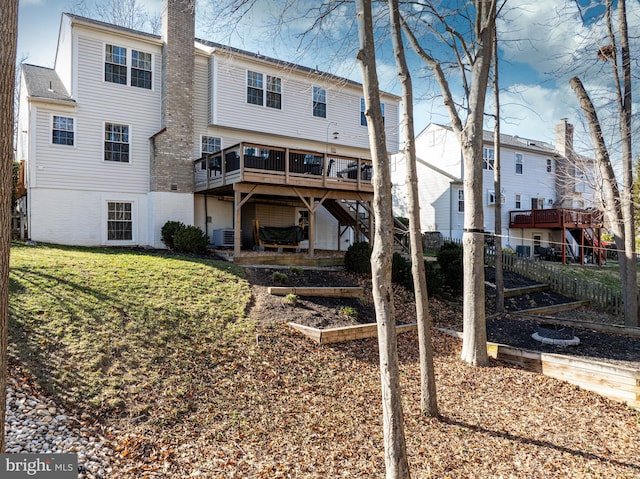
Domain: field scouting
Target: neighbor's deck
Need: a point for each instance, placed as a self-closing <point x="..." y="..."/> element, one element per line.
<point x="260" y="164"/>
<point x="558" y="218"/>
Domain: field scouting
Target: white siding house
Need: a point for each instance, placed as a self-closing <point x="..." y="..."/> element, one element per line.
<point x="91" y="129"/>
<point x="532" y="178"/>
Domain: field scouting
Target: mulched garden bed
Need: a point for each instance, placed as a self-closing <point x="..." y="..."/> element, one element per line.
<point x="510" y="329"/>
<point x="600" y="346"/>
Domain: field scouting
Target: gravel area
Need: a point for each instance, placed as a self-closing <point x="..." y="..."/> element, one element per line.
<point x="36" y="425"/>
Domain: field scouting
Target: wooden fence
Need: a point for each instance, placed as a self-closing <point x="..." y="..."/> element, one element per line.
<point x="600" y="296"/>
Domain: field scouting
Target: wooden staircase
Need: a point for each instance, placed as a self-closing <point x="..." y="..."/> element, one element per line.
<point x="356" y="214"/>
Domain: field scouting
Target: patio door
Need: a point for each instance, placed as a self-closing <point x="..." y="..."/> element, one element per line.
<point x="537" y="203"/>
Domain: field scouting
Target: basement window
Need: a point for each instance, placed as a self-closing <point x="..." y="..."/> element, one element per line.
<point x="119" y="221"/>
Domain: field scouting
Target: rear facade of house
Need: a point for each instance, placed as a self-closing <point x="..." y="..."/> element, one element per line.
<point x="115" y="139"/>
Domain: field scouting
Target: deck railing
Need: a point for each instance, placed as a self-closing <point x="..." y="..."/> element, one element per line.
<point x="553" y="218"/>
<point x="279" y="165"/>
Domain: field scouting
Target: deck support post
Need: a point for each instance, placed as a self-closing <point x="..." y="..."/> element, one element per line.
<point x="237" y="221"/>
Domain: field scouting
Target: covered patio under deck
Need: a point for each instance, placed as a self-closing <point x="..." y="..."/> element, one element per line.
<point x="583" y="225"/>
<point x="249" y="171"/>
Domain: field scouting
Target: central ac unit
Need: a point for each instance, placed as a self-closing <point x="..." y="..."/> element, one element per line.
<point x="223" y="237"/>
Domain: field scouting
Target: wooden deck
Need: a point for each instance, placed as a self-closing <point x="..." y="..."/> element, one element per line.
<point x="554" y="218"/>
<point x="271" y="165"/>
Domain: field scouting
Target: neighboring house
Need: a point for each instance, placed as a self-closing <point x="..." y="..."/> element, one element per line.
<point x="535" y="176"/>
<point x="122" y="135"/>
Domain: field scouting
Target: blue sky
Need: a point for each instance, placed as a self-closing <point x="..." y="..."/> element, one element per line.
<point x="539" y="41"/>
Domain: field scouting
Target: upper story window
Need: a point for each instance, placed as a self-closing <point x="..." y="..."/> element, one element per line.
<point x="460" y="201"/>
<point x="255" y="92"/>
<point x="319" y="102"/>
<point x="518" y="202"/>
<point x="116" y="142"/>
<point x="63" y="132"/>
<point x="274" y="92"/>
<point x="116" y="68"/>
<point x="519" y="164"/>
<point x="549" y="165"/>
<point x="488" y="158"/>
<point x="141" y="69"/>
<point x="115" y="65"/>
<point x="363" y="117"/>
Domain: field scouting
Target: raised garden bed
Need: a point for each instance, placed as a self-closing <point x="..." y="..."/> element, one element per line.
<point x="614" y="381"/>
<point x="339" y="292"/>
<point x="346" y="333"/>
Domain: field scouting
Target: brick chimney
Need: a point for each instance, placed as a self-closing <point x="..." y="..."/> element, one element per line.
<point x="173" y="147"/>
<point x="565" y="165"/>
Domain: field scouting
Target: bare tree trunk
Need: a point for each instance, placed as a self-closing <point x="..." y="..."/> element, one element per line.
<point x="619" y="208"/>
<point x="497" y="184"/>
<point x="630" y="284"/>
<point x="612" y="207"/>
<point x="478" y="62"/>
<point x="395" y="451"/>
<point x="8" y="38"/>
<point x="428" y="398"/>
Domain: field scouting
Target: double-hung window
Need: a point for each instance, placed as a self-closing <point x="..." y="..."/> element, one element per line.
<point x="518" y="202"/>
<point x="141" y="69"/>
<point x="519" y="164"/>
<point x="63" y="132"/>
<point x="209" y="144"/>
<point x="119" y="221"/>
<point x="256" y="87"/>
<point x="460" y="200"/>
<point x="363" y="116"/>
<point x="549" y="165"/>
<point x="116" y="142"/>
<point x="134" y="70"/>
<point x="319" y="102"/>
<point x="255" y="91"/>
<point x="274" y="92"/>
<point x="488" y="158"/>
<point x="115" y="64"/>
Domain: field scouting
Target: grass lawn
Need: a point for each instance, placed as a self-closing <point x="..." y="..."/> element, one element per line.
<point x="171" y="358"/>
<point x="105" y="327"/>
<point x="607" y="275"/>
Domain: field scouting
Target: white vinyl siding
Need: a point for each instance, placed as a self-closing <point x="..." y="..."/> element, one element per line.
<point x="295" y="120"/>
<point x="83" y="167"/>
